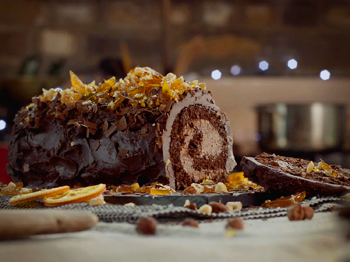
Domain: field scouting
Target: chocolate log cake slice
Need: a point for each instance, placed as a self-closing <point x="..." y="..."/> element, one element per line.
<point x="144" y="128"/>
<point x="289" y="175"/>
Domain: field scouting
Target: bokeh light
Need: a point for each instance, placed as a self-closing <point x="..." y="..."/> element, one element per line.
<point x="263" y="65"/>
<point x="292" y="64"/>
<point x="216" y="74"/>
<point x="325" y="75"/>
<point x="2" y="124"/>
<point x="235" y="70"/>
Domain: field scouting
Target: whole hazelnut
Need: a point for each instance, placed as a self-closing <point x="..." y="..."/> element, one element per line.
<point x="309" y="212"/>
<point x="298" y="212"/>
<point x="146" y="226"/>
<point x="218" y="207"/>
<point x="190" y="222"/>
<point x="236" y="223"/>
<point x="295" y="213"/>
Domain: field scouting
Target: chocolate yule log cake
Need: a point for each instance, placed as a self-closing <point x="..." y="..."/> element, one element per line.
<point x="144" y="128"/>
<point x="290" y="175"/>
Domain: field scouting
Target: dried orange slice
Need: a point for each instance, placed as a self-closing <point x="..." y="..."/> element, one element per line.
<point x="74" y="196"/>
<point x="36" y="195"/>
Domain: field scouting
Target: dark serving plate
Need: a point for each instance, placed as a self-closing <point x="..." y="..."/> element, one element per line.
<point x="247" y="199"/>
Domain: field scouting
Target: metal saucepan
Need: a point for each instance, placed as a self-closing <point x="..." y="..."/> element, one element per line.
<point x="311" y="127"/>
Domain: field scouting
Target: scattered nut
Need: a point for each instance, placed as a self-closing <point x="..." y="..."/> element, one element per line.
<point x="199" y="188"/>
<point x="309" y="212"/>
<point x="310" y="167"/>
<point x="146" y="226"/>
<point x="218" y="207"/>
<point x="190" y="222"/>
<point x="191" y="206"/>
<point x="234" y="206"/>
<point x="328" y="173"/>
<point x="187" y="202"/>
<point x="190" y="190"/>
<point x="11" y="186"/>
<point x="97" y="201"/>
<point x="236" y="223"/>
<point x="220" y="188"/>
<point x="131" y="204"/>
<point x="205" y="209"/>
<point x="298" y="212"/>
<point x="25" y="190"/>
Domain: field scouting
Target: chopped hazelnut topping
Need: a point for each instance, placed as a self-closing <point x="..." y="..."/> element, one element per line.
<point x="220" y="188"/>
<point x="310" y="167"/>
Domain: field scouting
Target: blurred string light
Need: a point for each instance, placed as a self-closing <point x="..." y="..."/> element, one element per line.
<point x="235" y="70"/>
<point x="292" y="64"/>
<point x="263" y="65"/>
<point x="2" y="124"/>
<point x="325" y="75"/>
<point x="216" y="74"/>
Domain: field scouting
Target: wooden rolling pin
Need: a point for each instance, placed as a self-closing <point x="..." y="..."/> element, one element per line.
<point x="22" y="223"/>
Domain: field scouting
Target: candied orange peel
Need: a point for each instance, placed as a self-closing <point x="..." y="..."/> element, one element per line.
<point x="74" y="196"/>
<point x="142" y="86"/>
<point x="37" y="195"/>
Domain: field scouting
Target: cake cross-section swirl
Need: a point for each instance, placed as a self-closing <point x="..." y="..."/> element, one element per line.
<point x="144" y="128"/>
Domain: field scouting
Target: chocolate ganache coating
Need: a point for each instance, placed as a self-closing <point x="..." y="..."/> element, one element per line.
<point x="107" y="134"/>
<point x="289" y="175"/>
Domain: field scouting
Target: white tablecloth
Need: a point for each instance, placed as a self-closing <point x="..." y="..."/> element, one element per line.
<point x="276" y="239"/>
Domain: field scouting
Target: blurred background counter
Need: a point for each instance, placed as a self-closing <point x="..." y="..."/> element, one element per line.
<point x="249" y="53"/>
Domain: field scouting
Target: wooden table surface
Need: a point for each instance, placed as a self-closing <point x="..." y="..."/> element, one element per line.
<point x="276" y="239"/>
